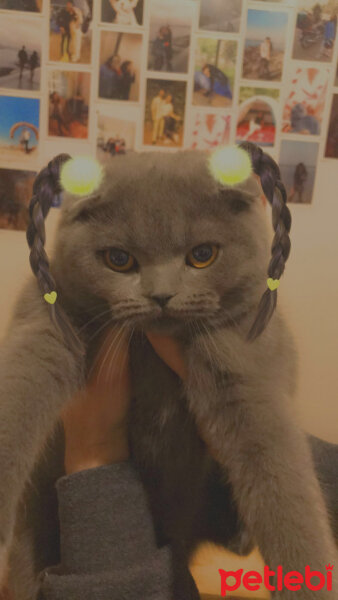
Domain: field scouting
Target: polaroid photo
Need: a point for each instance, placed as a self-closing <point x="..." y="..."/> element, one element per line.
<point x="164" y="113"/>
<point x="20" y="53"/>
<point x="120" y="66"/>
<point x="265" y="44"/>
<point x="257" y="116"/>
<point x="316" y="29"/>
<point x="19" y="130"/>
<point x="32" y="6"/>
<point x="170" y="36"/>
<point x="122" y="12"/>
<point x="70" y="31"/>
<point x="210" y="130"/>
<point x="69" y="93"/>
<point x="305" y="101"/>
<point x="331" y="149"/>
<point x="16" y="190"/>
<point x="115" y="137"/>
<point x="221" y="15"/>
<point x="215" y="68"/>
<point x="298" y="163"/>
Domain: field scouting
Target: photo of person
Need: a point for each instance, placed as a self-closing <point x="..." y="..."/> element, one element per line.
<point x="68" y="104"/>
<point x="70" y="35"/>
<point x="122" y="12"/>
<point x="214" y="72"/>
<point x="303" y="110"/>
<point x="298" y="162"/>
<point x="16" y="190"/>
<point x="120" y="66"/>
<point x="221" y="15"/>
<point x="114" y="137"/>
<point x="331" y="150"/>
<point x="19" y="129"/>
<point x="20" y="60"/>
<point x="257" y="116"/>
<point x="210" y="130"/>
<point x="265" y="45"/>
<point x="169" y="38"/>
<point x="23" y="5"/>
<point x="316" y="30"/>
<point x="164" y="113"/>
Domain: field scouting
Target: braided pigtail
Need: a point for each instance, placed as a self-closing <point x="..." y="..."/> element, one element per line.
<point x="46" y="188"/>
<point x="274" y="190"/>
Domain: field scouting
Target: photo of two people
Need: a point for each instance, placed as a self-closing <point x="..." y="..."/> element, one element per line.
<point x="164" y="116"/>
<point x="120" y="65"/>
<point x="20" y="53"/>
<point x="70" y="31"/>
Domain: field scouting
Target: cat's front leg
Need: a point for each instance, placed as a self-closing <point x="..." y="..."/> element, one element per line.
<point x="248" y="428"/>
<point x="38" y="374"/>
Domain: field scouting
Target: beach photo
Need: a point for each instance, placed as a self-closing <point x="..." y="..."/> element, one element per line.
<point x="19" y="129"/>
<point x="20" y="53"/>
<point x="331" y="149"/>
<point x="210" y="130"/>
<point x="169" y="37"/>
<point x="115" y="137"/>
<point x="16" y="190"/>
<point x="265" y="45"/>
<point x="298" y="163"/>
<point x="257" y="116"/>
<point x="34" y="6"/>
<point x="306" y="94"/>
<point x="70" y="35"/>
<point x="221" y="15"/>
<point x="316" y="30"/>
<point x="69" y="93"/>
<point x="122" y="12"/>
<point x="164" y="113"/>
<point x="120" y="66"/>
<point x="214" y="76"/>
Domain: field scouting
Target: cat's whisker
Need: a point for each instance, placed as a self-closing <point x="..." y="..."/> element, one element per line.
<point x="101" y="350"/>
<point x="116" y="340"/>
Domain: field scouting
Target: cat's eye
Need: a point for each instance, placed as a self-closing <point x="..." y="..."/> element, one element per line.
<point x="119" y="260"/>
<point x="202" y="256"/>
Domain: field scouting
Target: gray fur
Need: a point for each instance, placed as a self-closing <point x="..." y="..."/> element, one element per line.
<point x="238" y="395"/>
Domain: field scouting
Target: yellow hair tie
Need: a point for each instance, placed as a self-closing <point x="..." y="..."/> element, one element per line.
<point x="50" y="297"/>
<point x="230" y="165"/>
<point x="273" y="284"/>
<point x="81" y="175"/>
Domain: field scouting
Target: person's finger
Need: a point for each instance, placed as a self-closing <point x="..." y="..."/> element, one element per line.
<point x="170" y="352"/>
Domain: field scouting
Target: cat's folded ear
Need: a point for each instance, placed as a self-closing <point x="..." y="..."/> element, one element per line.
<point x="241" y="197"/>
<point x="80" y="209"/>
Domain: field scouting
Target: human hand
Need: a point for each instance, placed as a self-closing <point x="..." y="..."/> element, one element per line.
<point x="95" y="423"/>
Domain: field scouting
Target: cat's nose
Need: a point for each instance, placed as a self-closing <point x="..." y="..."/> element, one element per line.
<point x="161" y="300"/>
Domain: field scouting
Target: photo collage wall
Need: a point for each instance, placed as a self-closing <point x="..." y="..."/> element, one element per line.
<point x="108" y="77"/>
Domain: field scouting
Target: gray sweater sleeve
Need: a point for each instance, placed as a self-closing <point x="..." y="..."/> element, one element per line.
<point x="107" y="540"/>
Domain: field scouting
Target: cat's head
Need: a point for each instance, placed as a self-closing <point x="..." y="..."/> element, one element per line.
<point x="162" y="244"/>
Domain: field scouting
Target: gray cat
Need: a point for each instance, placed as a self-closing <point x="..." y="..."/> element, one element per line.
<point x="164" y="246"/>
